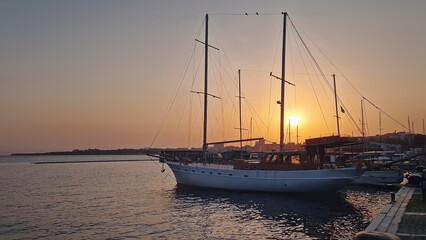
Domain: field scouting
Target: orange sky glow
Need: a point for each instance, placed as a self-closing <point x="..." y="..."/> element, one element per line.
<point x="101" y="74"/>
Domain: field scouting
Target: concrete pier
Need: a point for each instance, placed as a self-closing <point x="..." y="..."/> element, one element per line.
<point x="395" y="219"/>
<point x="389" y="218"/>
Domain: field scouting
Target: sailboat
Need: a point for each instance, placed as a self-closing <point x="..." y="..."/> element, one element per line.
<point x="281" y="171"/>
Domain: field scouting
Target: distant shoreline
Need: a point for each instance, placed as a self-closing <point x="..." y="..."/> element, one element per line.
<point x="126" y="151"/>
<point x="93" y="152"/>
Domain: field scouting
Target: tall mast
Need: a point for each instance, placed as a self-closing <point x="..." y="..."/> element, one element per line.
<point x="335" y="102"/>
<point x="409" y="132"/>
<point x="424" y="136"/>
<point x="409" y="124"/>
<point x="283" y="85"/>
<point x="297" y="134"/>
<point x="362" y="125"/>
<point x="362" y="120"/>
<point x="239" y="100"/>
<point x="289" y="131"/>
<point x="380" y="126"/>
<point x="251" y="129"/>
<point x="206" y="47"/>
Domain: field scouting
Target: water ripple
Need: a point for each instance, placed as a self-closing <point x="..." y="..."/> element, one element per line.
<point x="133" y="201"/>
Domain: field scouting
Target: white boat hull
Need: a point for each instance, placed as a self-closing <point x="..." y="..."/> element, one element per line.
<point x="217" y="176"/>
<point x="380" y="178"/>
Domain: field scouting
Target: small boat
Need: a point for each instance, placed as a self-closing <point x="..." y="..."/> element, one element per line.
<point x="281" y="171"/>
<point x="382" y="177"/>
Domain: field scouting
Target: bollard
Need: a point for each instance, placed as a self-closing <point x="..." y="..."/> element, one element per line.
<point x="392" y="197"/>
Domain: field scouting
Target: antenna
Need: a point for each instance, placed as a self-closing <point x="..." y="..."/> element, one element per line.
<point x="335" y="102"/>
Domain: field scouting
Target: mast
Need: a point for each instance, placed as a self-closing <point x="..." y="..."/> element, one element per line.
<point x="380" y="126"/>
<point x="362" y="124"/>
<point x="289" y="131"/>
<point x="239" y="100"/>
<point x="251" y="130"/>
<point x="362" y="120"/>
<point x="206" y="47"/>
<point x="409" y="125"/>
<point x="283" y="85"/>
<point x="335" y="102"/>
<point x="424" y="136"/>
<point x="297" y="134"/>
<point x="409" y="132"/>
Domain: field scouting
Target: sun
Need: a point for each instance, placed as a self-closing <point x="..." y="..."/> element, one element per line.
<point x="294" y="120"/>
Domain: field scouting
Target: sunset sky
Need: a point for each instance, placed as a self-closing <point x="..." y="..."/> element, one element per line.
<point x="101" y="74"/>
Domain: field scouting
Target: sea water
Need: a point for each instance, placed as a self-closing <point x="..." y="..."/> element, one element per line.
<point x="135" y="200"/>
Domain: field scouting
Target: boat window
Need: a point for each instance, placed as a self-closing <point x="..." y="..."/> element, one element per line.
<point x="219" y="173"/>
<point x="295" y="159"/>
<point x="245" y="175"/>
<point x="211" y="173"/>
<point x="274" y="158"/>
<point x="230" y="174"/>
<point x="193" y="170"/>
<point x="268" y="158"/>
<point x="202" y="171"/>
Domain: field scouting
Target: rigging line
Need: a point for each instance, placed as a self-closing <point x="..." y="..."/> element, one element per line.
<point x="350" y="103"/>
<point x="173" y="98"/>
<point x="366" y="121"/>
<point x="348" y="113"/>
<point x="329" y="60"/>
<point x="221" y="102"/>
<point x="316" y="63"/>
<point x="385" y="113"/>
<point x="154" y="161"/>
<point x="319" y="80"/>
<point x="230" y="66"/>
<point x="248" y="104"/>
<point x="277" y="47"/>
<point x="180" y="119"/>
<point x="201" y="28"/>
<point x="226" y="56"/>
<point x="269" y="105"/>
<point x="270" y="78"/>
<point x="257" y="125"/>
<point x="196" y="73"/>
<point x="305" y="74"/>
<point x="310" y="80"/>
<point x="215" y="68"/>
<point x="229" y="97"/>
<point x="253" y="70"/>
<point x="294" y="78"/>
<point x="192" y="86"/>
<point x="234" y="108"/>
<point x="196" y="116"/>
<point x="278" y="91"/>
<point x="188" y="141"/>
<point x="167" y="175"/>
<point x="246" y="14"/>
<point x="353" y="86"/>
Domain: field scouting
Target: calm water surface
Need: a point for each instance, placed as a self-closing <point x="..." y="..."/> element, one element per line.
<point x="134" y="200"/>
